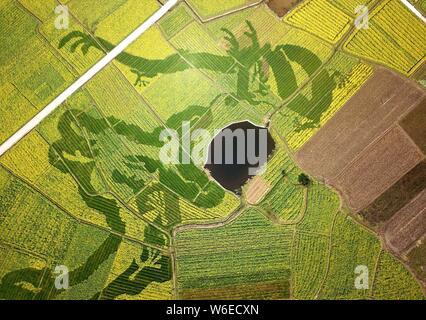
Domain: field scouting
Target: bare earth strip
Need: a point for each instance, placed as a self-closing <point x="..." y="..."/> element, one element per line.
<point x="281" y="7"/>
<point x="256" y="190"/>
<point x="381" y="165"/>
<point x="407" y="226"/>
<point x="380" y="103"/>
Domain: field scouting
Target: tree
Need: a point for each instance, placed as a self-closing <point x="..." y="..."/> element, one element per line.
<point x="304" y="180"/>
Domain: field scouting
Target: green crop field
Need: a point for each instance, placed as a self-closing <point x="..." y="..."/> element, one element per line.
<point x="230" y="262"/>
<point x="88" y="187"/>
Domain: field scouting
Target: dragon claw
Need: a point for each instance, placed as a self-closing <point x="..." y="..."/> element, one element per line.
<point x="139" y="81"/>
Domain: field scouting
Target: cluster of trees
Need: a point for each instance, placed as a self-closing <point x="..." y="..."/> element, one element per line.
<point x="303" y="179"/>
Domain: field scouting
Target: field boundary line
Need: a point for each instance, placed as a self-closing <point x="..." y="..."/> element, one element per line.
<point x="211" y="225"/>
<point x="376" y="271"/>
<point x="330" y="253"/>
<point x="101" y="64"/>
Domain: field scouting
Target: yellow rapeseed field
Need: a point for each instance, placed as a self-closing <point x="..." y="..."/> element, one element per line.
<point x="321" y="18"/>
<point x="395" y="38"/>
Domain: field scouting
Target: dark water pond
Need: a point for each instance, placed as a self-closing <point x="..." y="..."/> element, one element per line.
<point x="236" y="154"/>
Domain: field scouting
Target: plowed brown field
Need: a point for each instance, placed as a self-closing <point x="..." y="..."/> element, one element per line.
<point x="415" y="125"/>
<point x="281" y="7"/>
<point x="407" y="225"/>
<point x="382" y="101"/>
<point x="396" y="197"/>
<point x="373" y="152"/>
<point x="381" y="165"/>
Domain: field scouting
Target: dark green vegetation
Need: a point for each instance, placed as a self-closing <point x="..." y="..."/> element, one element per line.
<point x="11" y="284"/>
<point x="304" y="180"/>
<point x="247" y="63"/>
<point x="187" y="182"/>
<point x="39" y="283"/>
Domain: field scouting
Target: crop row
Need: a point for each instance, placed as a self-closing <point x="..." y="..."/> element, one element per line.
<point x="350" y="6"/>
<point x="352" y="246"/>
<point x="322" y="206"/>
<point x="319" y="101"/>
<point x="309" y="265"/>
<point x="405" y="41"/>
<point x="340" y="95"/>
<point x="286" y="200"/>
<point x="321" y="18"/>
<point x="393" y="281"/>
<point x="139" y="273"/>
<point x="249" y="251"/>
<point x="206" y="8"/>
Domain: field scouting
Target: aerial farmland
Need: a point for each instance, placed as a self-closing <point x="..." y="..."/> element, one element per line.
<point x="114" y="114"/>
